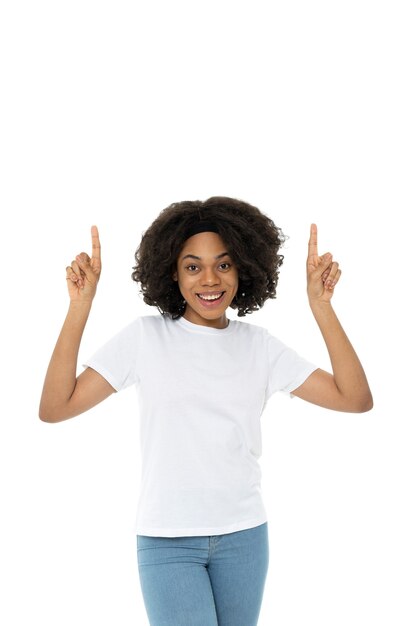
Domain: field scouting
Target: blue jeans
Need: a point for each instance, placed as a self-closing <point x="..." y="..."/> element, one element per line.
<point x="204" y="581"/>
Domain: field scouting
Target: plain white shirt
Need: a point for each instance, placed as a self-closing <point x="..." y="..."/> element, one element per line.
<point x="201" y="395"/>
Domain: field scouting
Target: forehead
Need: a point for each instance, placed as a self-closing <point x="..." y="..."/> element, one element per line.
<point x="205" y="240"/>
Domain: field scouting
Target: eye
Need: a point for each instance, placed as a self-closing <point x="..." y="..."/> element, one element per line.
<point x="189" y="266"/>
<point x="228" y="264"/>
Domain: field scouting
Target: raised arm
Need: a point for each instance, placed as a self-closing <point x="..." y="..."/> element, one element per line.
<point x="64" y="395"/>
<point x="346" y="389"/>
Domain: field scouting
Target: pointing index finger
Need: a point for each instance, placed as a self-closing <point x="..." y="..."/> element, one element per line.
<point x="96" y="252"/>
<point x="312" y="244"/>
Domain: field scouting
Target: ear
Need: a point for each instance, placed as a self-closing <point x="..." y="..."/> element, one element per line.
<point x="175" y="276"/>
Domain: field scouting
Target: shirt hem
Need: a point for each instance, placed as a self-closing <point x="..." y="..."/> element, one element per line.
<point x="203" y="531"/>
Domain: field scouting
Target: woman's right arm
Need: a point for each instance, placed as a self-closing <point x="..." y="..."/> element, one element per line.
<point x="64" y="395"/>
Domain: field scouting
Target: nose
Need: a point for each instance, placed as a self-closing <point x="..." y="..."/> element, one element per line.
<point x="209" y="277"/>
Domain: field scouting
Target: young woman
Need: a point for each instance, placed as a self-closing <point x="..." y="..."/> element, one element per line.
<point x="203" y="383"/>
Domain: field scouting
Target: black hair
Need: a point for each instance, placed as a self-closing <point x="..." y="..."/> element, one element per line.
<point x="252" y="238"/>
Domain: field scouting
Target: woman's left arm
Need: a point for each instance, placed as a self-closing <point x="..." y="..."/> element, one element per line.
<point x="347" y="388"/>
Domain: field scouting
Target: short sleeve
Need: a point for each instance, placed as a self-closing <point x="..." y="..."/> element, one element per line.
<point x="117" y="359"/>
<point x="287" y="370"/>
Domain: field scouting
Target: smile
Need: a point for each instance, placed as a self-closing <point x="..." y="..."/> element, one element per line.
<point x="209" y="297"/>
<point x="211" y="300"/>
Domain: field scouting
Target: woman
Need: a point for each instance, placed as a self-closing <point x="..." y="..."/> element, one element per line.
<point x="203" y="382"/>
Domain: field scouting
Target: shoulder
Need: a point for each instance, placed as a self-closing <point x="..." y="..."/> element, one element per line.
<point x="147" y="322"/>
<point x="253" y="336"/>
<point x="156" y="327"/>
<point x="260" y="334"/>
<point x="249" y="329"/>
<point x="137" y="328"/>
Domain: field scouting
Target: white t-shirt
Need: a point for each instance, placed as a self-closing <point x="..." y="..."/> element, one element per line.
<point x="201" y="394"/>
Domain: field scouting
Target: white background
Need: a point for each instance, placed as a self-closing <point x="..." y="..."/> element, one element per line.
<point x="110" y="111"/>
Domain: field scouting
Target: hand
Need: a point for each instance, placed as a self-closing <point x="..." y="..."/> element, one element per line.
<point x="322" y="272"/>
<point x="84" y="272"/>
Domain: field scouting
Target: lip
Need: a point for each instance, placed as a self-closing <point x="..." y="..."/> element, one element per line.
<point x="210" y="305"/>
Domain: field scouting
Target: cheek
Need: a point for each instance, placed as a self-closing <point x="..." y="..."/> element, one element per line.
<point x="186" y="282"/>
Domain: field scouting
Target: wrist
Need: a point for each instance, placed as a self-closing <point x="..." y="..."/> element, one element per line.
<point x="80" y="306"/>
<point x="319" y="306"/>
<point x="314" y="301"/>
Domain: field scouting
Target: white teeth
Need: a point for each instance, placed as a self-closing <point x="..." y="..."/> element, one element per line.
<point x="210" y="297"/>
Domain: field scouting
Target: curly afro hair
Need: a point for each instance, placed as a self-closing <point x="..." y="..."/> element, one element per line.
<point x="252" y="239"/>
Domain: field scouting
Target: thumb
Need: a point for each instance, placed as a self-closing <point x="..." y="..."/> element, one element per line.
<point x="325" y="259"/>
<point x="323" y="263"/>
<point x="83" y="261"/>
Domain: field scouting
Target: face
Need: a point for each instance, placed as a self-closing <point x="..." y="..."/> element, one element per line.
<point x="205" y="271"/>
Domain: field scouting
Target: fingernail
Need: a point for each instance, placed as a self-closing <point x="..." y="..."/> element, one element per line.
<point x="327" y="256"/>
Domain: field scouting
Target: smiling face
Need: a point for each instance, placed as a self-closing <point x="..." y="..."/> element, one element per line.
<point x="207" y="279"/>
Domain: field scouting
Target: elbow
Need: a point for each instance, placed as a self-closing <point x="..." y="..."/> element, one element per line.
<point x="53" y="415"/>
<point x="48" y="415"/>
<point x="364" y="405"/>
<point x="44" y="416"/>
<point x="368" y="406"/>
<point x="45" y="412"/>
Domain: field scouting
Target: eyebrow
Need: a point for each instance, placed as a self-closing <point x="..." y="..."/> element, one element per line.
<point x="192" y="256"/>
